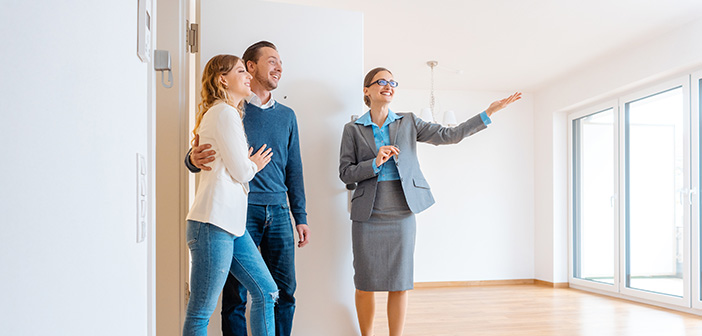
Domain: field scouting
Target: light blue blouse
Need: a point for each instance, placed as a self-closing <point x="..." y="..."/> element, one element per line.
<point x="386" y="172"/>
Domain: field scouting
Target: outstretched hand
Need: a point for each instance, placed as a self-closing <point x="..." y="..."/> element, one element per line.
<point x="502" y="103"/>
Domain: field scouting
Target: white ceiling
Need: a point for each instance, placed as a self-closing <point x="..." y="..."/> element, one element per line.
<point x="503" y="45"/>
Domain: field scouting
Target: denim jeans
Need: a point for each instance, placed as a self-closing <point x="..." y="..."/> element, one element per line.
<point x="271" y="229"/>
<point x="215" y="254"/>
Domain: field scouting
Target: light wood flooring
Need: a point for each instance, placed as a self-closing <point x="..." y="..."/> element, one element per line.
<point x="531" y="310"/>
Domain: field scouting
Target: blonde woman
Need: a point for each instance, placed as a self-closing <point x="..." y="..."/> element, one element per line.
<point x="216" y="227"/>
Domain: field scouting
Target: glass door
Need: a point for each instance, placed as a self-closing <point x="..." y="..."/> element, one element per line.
<point x="657" y="190"/>
<point x="594" y="205"/>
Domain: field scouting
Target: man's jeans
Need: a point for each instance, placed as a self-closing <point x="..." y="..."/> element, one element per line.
<point x="215" y="254"/>
<point x="271" y="229"/>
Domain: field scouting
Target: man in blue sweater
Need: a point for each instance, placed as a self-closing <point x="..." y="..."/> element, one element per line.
<point x="280" y="183"/>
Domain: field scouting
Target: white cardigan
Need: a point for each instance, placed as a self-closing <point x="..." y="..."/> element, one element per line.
<point x="221" y="197"/>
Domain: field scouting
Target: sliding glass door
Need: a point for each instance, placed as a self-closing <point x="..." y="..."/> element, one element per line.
<point x="657" y="192"/>
<point x="633" y="195"/>
<point x="594" y="163"/>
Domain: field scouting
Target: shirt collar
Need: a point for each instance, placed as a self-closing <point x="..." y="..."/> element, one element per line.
<point x="366" y="120"/>
<point x="254" y="100"/>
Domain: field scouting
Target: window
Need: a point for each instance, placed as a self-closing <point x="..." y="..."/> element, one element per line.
<point x="656" y="193"/>
<point x="631" y="195"/>
<point x="594" y="204"/>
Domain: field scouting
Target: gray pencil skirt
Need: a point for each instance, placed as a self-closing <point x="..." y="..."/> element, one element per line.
<point x="383" y="246"/>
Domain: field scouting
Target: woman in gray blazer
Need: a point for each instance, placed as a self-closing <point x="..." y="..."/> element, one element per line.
<point x="378" y="152"/>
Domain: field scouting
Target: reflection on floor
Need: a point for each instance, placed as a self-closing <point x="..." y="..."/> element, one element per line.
<point x="660" y="284"/>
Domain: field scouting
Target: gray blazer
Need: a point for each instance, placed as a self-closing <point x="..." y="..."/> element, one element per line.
<point x="358" y="155"/>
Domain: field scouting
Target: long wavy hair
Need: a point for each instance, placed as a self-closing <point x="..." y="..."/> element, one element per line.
<point x="213" y="90"/>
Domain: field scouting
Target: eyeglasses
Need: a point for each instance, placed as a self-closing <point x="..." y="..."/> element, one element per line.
<point x="383" y="82"/>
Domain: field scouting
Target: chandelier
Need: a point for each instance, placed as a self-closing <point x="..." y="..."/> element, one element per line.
<point x="429" y="113"/>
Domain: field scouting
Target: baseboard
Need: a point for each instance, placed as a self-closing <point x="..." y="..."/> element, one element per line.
<point x="551" y="284"/>
<point x="442" y="284"/>
<point x="448" y="284"/>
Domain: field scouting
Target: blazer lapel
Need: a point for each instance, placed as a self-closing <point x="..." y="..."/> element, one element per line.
<point x="367" y="132"/>
<point x="394" y="126"/>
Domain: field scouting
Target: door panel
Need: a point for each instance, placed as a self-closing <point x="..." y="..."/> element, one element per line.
<point x="322" y="53"/>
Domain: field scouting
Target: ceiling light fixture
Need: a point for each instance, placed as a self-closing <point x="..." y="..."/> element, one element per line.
<point x="429" y="113"/>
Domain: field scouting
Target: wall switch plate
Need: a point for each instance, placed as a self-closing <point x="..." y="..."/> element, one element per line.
<point x="142" y="204"/>
<point x="144" y="28"/>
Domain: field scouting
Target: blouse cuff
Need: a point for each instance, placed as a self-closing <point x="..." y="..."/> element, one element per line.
<point x="485" y="118"/>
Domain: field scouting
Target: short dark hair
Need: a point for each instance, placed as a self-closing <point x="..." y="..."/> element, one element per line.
<point x="252" y="52"/>
<point x="369" y="78"/>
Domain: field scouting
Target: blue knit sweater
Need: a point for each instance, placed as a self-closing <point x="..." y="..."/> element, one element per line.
<point x="281" y="179"/>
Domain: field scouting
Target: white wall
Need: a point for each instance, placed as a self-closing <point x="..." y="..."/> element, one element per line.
<point x="322" y="53"/>
<point x="73" y="102"/>
<point x="481" y="225"/>
<point x="671" y="53"/>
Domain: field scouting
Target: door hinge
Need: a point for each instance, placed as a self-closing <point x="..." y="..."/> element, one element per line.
<point x="192" y="37"/>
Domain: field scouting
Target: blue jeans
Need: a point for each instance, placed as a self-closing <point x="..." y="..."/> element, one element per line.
<point x="215" y="254"/>
<point x="271" y="229"/>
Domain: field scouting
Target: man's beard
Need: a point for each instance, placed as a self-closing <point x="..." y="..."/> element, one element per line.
<point x="267" y="83"/>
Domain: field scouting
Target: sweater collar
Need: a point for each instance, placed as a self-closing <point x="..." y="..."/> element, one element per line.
<point x="254" y="100"/>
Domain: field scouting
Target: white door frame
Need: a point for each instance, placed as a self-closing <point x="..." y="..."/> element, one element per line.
<point x="683" y="301"/>
<point x="695" y="281"/>
<point x="173" y="183"/>
<point x="691" y="300"/>
<point x="613" y="104"/>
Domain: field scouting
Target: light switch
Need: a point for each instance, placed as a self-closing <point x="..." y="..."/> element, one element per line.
<point x="142" y="234"/>
<point x="142" y="165"/>
<point x="142" y="186"/>
<point x="141" y="199"/>
<point x="142" y="209"/>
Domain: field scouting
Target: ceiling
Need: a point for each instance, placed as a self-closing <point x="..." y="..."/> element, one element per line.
<point x="503" y="45"/>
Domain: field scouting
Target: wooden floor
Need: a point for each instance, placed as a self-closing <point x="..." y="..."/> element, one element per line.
<point x="532" y="310"/>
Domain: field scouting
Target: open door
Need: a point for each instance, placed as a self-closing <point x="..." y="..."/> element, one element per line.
<point x="322" y="53"/>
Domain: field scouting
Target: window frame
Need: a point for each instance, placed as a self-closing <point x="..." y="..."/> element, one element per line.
<point x="652" y="90"/>
<point x="691" y="299"/>
<point x="592" y="110"/>
<point x="696" y="229"/>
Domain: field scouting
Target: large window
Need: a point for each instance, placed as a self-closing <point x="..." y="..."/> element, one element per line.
<point x="632" y="195"/>
<point x="656" y="192"/>
<point x="594" y="143"/>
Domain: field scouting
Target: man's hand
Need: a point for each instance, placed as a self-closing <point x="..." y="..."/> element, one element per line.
<point x="303" y="232"/>
<point x="200" y="156"/>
